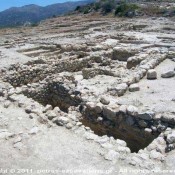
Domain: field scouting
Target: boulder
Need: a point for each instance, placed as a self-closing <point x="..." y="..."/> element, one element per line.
<point x="134" y="87"/>
<point x="62" y="121"/>
<point x="146" y="115"/>
<point x="142" y="123"/>
<point x="168" y="74"/>
<point x="122" y="54"/>
<point x="98" y="108"/>
<point x="110" y="112"/>
<point x="148" y="130"/>
<point x="47" y="108"/>
<point x="121" y="142"/>
<point x="132" y="110"/>
<point x="90" y="136"/>
<point x="90" y="105"/>
<point x="56" y="109"/>
<point x="112" y="155"/>
<point x="104" y="100"/>
<point x="162" y="127"/>
<point x="132" y="62"/>
<point x="123" y="109"/>
<point x="171" y="137"/>
<point x="107" y="145"/>
<point x="111" y="42"/>
<point x="99" y="119"/>
<point x="156" y="155"/>
<point x="122" y="149"/>
<point x="151" y="74"/>
<point x="121" y="89"/>
<point x="69" y="125"/>
<point x="130" y="121"/>
<point x="135" y="161"/>
<point x="168" y="118"/>
<point x="51" y="115"/>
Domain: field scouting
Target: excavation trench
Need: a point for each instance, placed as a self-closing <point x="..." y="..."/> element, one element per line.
<point x="136" y="139"/>
<point x="121" y="127"/>
<point x="58" y="95"/>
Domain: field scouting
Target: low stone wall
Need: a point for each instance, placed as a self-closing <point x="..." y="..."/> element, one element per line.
<point x="56" y="92"/>
<point x="92" y="72"/>
<point x="122" y="54"/>
<point x="23" y="74"/>
<point x="138" y="129"/>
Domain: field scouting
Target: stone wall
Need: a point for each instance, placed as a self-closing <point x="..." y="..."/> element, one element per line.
<point x="23" y="74"/>
<point x="56" y="92"/>
<point x="138" y="129"/>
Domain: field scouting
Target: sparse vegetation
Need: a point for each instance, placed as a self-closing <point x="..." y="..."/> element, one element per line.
<point x="54" y="16"/>
<point x="77" y="8"/>
<point x="34" y="24"/>
<point x="97" y="6"/>
<point x="150" y="10"/>
<point x="84" y="9"/>
<point x="127" y="10"/>
<point x="107" y="7"/>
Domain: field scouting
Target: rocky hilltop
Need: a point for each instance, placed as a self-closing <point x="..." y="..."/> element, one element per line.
<point x="88" y="93"/>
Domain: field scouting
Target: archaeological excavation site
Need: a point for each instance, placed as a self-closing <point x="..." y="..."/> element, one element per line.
<point x="88" y="93"/>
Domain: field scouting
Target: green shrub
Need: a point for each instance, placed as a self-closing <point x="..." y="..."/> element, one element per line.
<point x="153" y="10"/>
<point x="97" y="6"/>
<point x="107" y="7"/>
<point x="86" y="10"/>
<point x="124" y="9"/>
<point x="77" y="8"/>
<point x="34" y="24"/>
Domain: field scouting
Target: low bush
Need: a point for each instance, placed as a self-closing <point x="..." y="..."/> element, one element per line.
<point x="125" y="9"/>
<point x="153" y="10"/>
<point x="84" y="9"/>
<point x="107" y="7"/>
<point x="34" y="24"/>
<point x="97" y="6"/>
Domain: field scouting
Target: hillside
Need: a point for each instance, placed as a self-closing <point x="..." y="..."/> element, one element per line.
<point x="130" y="8"/>
<point x="33" y="13"/>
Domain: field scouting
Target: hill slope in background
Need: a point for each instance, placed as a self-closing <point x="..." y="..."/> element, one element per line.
<point x="130" y="8"/>
<point x="34" y="13"/>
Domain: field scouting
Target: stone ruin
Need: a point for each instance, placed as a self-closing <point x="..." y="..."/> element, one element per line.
<point x="80" y="79"/>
